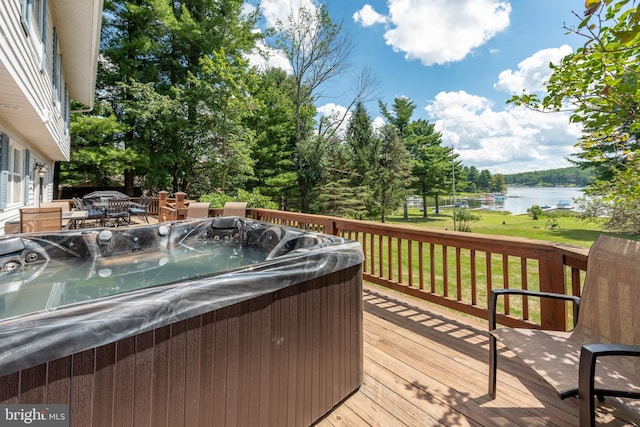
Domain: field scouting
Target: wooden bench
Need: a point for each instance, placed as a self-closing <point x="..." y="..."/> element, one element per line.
<point x="601" y="356"/>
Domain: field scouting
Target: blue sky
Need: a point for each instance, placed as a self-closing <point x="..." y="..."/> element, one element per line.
<point x="459" y="61"/>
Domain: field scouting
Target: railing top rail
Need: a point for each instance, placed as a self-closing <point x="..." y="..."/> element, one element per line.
<point x="518" y="246"/>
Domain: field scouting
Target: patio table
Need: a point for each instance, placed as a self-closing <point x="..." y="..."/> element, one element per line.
<point x="74" y="217"/>
<point x="95" y="198"/>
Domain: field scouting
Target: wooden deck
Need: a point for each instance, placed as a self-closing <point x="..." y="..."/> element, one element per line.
<point x="425" y="366"/>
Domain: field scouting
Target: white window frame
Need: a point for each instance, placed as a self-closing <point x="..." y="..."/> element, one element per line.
<point x="33" y="16"/>
<point x="16" y="177"/>
<point x="43" y="32"/>
<point x="67" y="112"/>
<point x="26" y="15"/>
<point x="61" y="85"/>
<point x="56" y="68"/>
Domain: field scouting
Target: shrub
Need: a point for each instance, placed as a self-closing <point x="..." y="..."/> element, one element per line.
<point x="253" y="199"/>
<point x="463" y="219"/>
<point x="535" y="211"/>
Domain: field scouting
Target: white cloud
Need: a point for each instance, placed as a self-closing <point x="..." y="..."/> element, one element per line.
<point x="334" y="113"/>
<point x="248" y="9"/>
<point x="509" y="141"/>
<point x="264" y="57"/>
<point x="533" y="72"/>
<point x="440" y="31"/>
<point x="378" y="122"/>
<point x="279" y="10"/>
<point x="332" y="109"/>
<point x="367" y="16"/>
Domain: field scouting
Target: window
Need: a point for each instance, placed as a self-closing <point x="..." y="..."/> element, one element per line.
<point x="26" y="15"/>
<point x="15" y="176"/>
<point x="60" y="95"/>
<point x="43" y="32"/>
<point x="67" y="111"/>
<point x="55" y="70"/>
<point x="60" y="81"/>
<point x="33" y="15"/>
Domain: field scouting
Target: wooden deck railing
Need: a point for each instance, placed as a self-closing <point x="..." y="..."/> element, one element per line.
<point x="457" y="270"/>
<point x="452" y="269"/>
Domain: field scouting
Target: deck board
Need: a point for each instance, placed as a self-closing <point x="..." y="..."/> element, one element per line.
<point x="426" y="366"/>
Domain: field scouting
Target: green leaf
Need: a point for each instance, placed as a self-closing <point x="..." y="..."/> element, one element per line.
<point x="626" y="36"/>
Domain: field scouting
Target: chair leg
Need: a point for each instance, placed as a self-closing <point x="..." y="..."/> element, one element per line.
<point x="493" y="367"/>
<point x="586" y="392"/>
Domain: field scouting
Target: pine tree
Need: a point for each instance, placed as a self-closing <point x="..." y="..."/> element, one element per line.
<point x="393" y="172"/>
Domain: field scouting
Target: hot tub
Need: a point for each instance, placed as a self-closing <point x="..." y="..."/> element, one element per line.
<point x="220" y="321"/>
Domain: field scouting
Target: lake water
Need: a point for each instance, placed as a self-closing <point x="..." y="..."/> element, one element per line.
<point x="519" y="199"/>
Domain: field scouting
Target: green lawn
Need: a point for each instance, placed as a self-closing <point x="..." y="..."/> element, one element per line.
<point x="570" y="228"/>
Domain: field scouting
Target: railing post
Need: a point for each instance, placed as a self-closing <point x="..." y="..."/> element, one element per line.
<point x="180" y="196"/>
<point x="162" y="198"/>
<point x="331" y="228"/>
<point x="553" y="313"/>
<point x="180" y="208"/>
<point x="162" y="202"/>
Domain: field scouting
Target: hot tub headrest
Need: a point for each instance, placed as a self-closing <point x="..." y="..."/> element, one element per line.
<point x="11" y="253"/>
<point x="224" y="222"/>
<point x="226" y="228"/>
<point x="11" y="246"/>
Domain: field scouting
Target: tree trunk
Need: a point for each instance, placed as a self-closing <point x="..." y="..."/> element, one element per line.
<point x="57" y="194"/>
<point x="128" y="182"/>
<point x="424" y="206"/>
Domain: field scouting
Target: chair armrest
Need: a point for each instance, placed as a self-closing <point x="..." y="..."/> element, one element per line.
<point x="589" y="354"/>
<point x="493" y="298"/>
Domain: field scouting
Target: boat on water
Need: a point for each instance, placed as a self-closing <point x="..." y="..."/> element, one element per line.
<point x="564" y="204"/>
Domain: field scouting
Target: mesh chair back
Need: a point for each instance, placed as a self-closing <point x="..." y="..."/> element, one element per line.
<point x="40" y="219"/>
<point x="62" y="205"/>
<point x="235" y="209"/>
<point x="197" y="210"/>
<point x="611" y="297"/>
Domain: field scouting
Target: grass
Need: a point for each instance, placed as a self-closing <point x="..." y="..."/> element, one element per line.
<point x="465" y="294"/>
<point x="570" y="228"/>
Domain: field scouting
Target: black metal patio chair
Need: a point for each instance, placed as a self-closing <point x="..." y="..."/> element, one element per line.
<point x="92" y="213"/>
<point x="607" y="332"/>
<point x="117" y="213"/>
<point x="141" y="208"/>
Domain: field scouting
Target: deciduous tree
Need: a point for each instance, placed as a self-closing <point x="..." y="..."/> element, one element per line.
<point x="599" y="83"/>
<point x="318" y="50"/>
<point x="150" y="48"/>
<point x="274" y="125"/>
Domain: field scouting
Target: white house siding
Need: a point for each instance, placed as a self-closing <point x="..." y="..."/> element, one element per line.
<point x="31" y="120"/>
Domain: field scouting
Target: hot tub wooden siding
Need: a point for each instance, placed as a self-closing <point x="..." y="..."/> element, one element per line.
<point x="282" y="359"/>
